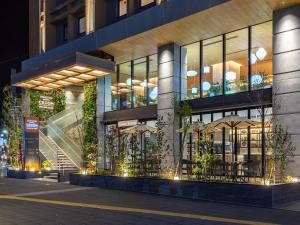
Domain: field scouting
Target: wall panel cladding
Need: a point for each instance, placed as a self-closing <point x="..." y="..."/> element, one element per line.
<point x="286" y="69"/>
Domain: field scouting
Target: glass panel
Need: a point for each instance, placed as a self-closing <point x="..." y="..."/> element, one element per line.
<point x="212" y="82"/>
<point x="139" y="82"/>
<point x="152" y="84"/>
<point x="242" y="141"/>
<point x="236" y="75"/>
<point x="206" y="118"/>
<point x="82" y="25"/>
<point x="122" y="7"/>
<point x="190" y="71"/>
<point x="114" y="91"/>
<point x="217" y="139"/>
<point x="195" y="118"/>
<point x="150" y="144"/>
<point x="124" y="85"/>
<point x="268" y="135"/>
<point x="261" y="56"/>
<point x="255" y="142"/>
<point x="146" y="2"/>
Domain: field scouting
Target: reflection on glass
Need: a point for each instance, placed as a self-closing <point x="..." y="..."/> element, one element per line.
<point x="236" y="73"/>
<point x="190" y="71"/>
<point x="212" y="82"/>
<point x="146" y="2"/>
<point x="256" y="140"/>
<point x="152" y="84"/>
<point x="112" y="85"/>
<point x="242" y="141"/>
<point x="217" y="138"/>
<point x="261" y="56"/>
<point x="124" y="85"/>
<point x="122" y="7"/>
<point x="139" y="82"/>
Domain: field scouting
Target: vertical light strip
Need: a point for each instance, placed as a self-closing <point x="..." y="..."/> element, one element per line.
<point x="90" y="16"/>
<point x="42" y="19"/>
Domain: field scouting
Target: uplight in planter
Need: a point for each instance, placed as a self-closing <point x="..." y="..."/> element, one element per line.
<point x="294" y="179"/>
<point x="176" y="178"/>
<point x="265" y="182"/>
<point x="83" y="172"/>
<point x="125" y="174"/>
<point x="32" y="169"/>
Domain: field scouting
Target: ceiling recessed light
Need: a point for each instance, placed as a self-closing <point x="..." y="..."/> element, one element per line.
<point x="36" y="82"/>
<point x="73" y="79"/>
<point x="62" y="82"/>
<point x="79" y="68"/>
<point x="86" y="77"/>
<point x="67" y="72"/>
<point x="55" y="76"/>
<point x="45" y="79"/>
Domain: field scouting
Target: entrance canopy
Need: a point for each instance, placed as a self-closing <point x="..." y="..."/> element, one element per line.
<point x="73" y="69"/>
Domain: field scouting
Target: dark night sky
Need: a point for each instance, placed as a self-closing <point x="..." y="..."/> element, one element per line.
<point x="13" y="37"/>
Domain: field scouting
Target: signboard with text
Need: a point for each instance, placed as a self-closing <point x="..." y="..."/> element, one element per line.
<point x="46" y="102"/>
<point x="31" y="125"/>
<point x="31" y="143"/>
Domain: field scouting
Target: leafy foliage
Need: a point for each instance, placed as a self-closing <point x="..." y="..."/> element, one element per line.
<point x="12" y="120"/>
<point x="89" y="119"/>
<point x="204" y="158"/>
<point x="59" y="100"/>
<point x="283" y="150"/>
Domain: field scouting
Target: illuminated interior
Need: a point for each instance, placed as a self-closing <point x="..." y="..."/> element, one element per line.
<point x="216" y="79"/>
<point x="71" y="75"/>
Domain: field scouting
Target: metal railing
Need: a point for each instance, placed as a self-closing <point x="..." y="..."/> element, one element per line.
<point x="48" y="150"/>
<point x="67" y="146"/>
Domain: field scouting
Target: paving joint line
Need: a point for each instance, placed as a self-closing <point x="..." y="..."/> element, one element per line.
<point x="137" y="210"/>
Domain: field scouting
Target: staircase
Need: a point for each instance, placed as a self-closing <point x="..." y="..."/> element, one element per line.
<point x="59" y="149"/>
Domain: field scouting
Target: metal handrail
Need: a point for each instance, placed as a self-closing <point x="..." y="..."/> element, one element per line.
<point x="47" y="150"/>
<point x="67" y="146"/>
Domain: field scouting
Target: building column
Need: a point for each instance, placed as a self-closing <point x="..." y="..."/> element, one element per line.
<point x="168" y="98"/>
<point x="286" y="70"/>
<point x="103" y="105"/>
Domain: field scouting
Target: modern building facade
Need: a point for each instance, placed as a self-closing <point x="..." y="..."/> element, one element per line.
<point x="221" y="56"/>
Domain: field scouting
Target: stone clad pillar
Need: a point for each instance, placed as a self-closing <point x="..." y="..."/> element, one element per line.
<point x="286" y="69"/>
<point x="168" y="93"/>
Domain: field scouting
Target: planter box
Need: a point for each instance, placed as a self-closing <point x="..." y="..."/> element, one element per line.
<point x="20" y="174"/>
<point x="245" y="194"/>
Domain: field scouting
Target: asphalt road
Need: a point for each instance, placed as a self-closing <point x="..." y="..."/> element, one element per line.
<point x="31" y="202"/>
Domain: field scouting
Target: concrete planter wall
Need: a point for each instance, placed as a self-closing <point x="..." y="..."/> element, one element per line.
<point x="246" y="194"/>
<point x="20" y="174"/>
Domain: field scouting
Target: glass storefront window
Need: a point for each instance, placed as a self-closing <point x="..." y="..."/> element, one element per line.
<point x="190" y="71"/>
<point x="236" y="73"/>
<point x="261" y="56"/>
<point x="139" y="82"/>
<point x="124" y="85"/>
<point x="212" y="82"/>
<point x="152" y="84"/>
